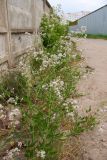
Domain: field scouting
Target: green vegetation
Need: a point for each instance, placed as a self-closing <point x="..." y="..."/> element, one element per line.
<point x="97" y="36"/>
<point x="13" y="85"/>
<point x="51" y="31"/>
<point x="50" y="101"/>
<point x="73" y="23"/>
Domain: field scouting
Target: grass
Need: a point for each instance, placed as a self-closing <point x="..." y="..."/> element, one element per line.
<point x="97" y="36"/>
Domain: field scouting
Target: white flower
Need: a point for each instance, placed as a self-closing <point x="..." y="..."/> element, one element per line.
<point x="45" y="63"/>
<point x="73" y="56"/>
<point x="60" y="55"/>
<point x="67" y="108"/>
<point x="11" y="153"/>
<point x="57" y="85"/>
<point x="11" y="100"/>
<point x="41" y="154"/>
<point x="77" y="106"/>
<point x="75" y="102"/>
<point x="14" y="117"/>
<point x="14" y="114"/>
<point x="65" y="104"/>
<point x="2" y="113"/>
<point x="64" y="55"/>
<point x="16" y="122"/>
<point x="20" y="144"/>
<point x="70" y="114"/>
<point x="54" y="116"/>
<point x="83" y="29"/>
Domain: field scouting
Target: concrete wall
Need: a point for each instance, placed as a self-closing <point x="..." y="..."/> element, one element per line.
<point x="95" y="22"/>
<point x="20" y="14"/>
<point x="2" y="18"/>
<point x="3" y="45"/>
<point x="19" y="23"/>
<point x="47" y="8"/>
<point x="39" y="5"/>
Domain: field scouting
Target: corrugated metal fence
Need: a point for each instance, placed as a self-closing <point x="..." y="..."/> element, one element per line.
<point x="95" y="22"/>
<point x="17" y="19"/>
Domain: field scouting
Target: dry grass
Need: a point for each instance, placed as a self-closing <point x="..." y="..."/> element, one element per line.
<point x="71" y="150"/>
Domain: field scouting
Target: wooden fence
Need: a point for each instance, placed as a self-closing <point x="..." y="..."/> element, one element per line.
<point x="19" y="22"/>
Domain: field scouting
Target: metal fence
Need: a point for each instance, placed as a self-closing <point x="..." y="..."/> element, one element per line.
<point x="18" y="18"/>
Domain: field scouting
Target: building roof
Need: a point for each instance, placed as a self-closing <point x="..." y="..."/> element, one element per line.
<point x="93" y="11"/>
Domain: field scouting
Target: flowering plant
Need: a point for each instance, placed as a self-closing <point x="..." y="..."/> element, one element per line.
<point x="50" y="100"/>
<point x="51" y="31"/>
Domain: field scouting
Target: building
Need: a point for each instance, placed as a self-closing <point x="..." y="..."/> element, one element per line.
<point x="75" y="16"/>
<point x="95" y="22"/>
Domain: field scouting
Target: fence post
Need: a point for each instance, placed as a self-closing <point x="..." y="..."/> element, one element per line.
<point x="34" y="16"/>
<point x="44" y="6"/>
<point x="10" y="54"/>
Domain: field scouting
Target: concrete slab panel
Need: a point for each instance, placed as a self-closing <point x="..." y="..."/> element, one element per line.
<point x="21" y="42"/>
<point x="2" y="15"/>
<point x="39" y="11"/>
<point x="47" y="9"/>
<point x="20" y="14"/>
<point x="2" y="45"/>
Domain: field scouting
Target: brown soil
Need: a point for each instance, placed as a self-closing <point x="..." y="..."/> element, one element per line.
<point x="94" y="86"/>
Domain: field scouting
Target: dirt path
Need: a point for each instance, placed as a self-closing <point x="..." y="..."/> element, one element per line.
<point x="95" y="89"/>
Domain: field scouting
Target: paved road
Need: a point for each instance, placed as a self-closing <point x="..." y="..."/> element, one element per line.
<point x="95" y="88"/>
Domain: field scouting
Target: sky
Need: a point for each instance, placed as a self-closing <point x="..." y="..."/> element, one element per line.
<point x="70" y="6"/>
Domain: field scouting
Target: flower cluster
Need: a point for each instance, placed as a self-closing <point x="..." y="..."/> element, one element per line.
<point x="44" y="60"/>
<point x="83" y="29"/>
<point x="47" y="60"/>
<point x="41" y="154"/>
<point x="71" y="105"/>
<point x="11" y="154"/>
<point x="11" y="100"/>
<point x="46" y="103"/>
<point x="14" y="117"/>
<point x="2" y="113"/>
<point x="50" y="35"/>
<point x="79" y="33"/>
<point x="70" y="101"/>
<point x="57" y="85"/>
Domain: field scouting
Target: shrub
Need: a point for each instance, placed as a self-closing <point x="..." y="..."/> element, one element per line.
<point x="51" y="102"/>
<point x="51" y="31"/>
<point x="13" y="85"/>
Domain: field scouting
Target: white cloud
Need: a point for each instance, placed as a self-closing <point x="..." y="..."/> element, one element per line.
<point x="79" y="5"/>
